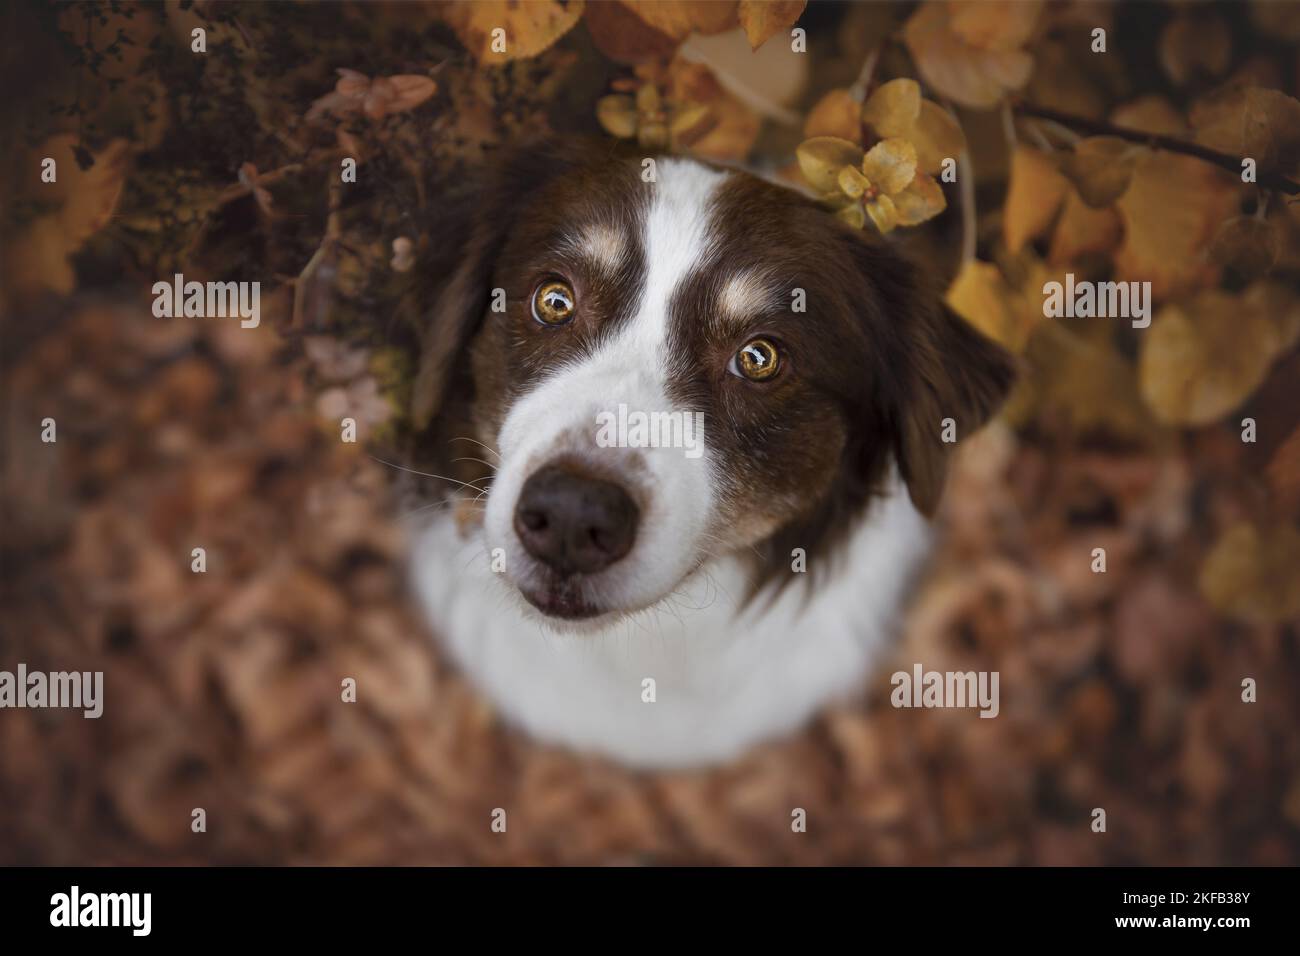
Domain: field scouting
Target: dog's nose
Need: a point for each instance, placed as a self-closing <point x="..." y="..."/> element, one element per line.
<point x="574" y="523"/>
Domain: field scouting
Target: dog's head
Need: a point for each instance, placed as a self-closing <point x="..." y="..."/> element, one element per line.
<point x="687" y="367"/>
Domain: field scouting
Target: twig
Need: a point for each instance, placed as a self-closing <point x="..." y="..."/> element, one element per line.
<point x="1265" y="178"/>
<point x="863" y="83"/>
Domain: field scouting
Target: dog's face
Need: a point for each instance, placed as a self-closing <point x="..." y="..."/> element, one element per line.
<point x="687" y="368"/>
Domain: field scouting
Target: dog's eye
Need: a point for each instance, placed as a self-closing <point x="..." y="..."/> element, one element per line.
<point x="553" y="302"/>
<point x="758" y="360"/>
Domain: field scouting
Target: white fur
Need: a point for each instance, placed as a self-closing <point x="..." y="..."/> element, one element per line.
<point x="726" y="675"/>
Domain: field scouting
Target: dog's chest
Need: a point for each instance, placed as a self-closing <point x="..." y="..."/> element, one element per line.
<point x="697" y="678"/>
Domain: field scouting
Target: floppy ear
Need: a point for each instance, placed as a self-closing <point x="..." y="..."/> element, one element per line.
<point x="467" y="241"/>
<point x="952" y="372"/>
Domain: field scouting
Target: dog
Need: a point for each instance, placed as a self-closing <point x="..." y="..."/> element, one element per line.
<point x="671" y="603"/>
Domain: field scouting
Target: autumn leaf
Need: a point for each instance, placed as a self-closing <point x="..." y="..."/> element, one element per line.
<point x="377" y="98"/>
<point x="882" y="184"/>
<point x="764" y="19"/>
<point x="677" y="18"/>
<point x="1034" y="194"/>
<point x="1170" y="211"/>
<point x="1202" y="358"/>
<point x="970" y="52"/>
<point x="1195" y="44"/>
<point x="1081" y="230"/>
<point x="530" y="28"/>
<point x="1100" y="168"/>
<point x="1248" y="245"/>
<point x="1251" y="573"/>
<point x="984" y="297"/>
<point x="1251" y="122"/>
<point x="85" y="198"/>
<point x="624" y="37"/>
<point x="896" y="110"/>
<point x="836" y="114"/>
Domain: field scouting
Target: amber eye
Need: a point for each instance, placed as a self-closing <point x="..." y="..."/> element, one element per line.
<point x="553" y="302"/>
<point x="757" y="361"/>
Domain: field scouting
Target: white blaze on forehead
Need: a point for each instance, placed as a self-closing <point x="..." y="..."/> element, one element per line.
<point x="602" y="244"/>
<point x="744" y="295"/>
<point x="676" y="241"/>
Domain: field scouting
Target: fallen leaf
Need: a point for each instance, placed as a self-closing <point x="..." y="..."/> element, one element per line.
<point x="1100" y="168"/>
<point x="1082" y="230"/>
<point x="1170" y="210"/>
<point x="677" y="18"/>
<point x="1247" y="245"/>
<point x="1034" y="194"/>
<point x="530" y="28"/>
<point x="1251" y="573"/>
<point x="1251" y="122"/>
<point x="764" y="19"/>
<point x="1202" y="358"/>
<point x="970" y="52"/>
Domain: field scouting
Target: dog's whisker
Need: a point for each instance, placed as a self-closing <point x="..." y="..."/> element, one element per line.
<point x="426" y="474"/>
<point x="488" y="448"/>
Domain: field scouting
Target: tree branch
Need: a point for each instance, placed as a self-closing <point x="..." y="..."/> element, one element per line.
<point x="1265" y="178"/>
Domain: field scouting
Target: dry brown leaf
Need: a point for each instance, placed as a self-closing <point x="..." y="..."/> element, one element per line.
<point x="1195" y="44"/>
<point x="836" y="114"/>
<point x="624" y="37"/>
<point x="764" y="19"/>
<point x="982" y="295"/>
<point x="1251" y="122"/>
<point x="1170" y="211"/>
<point x="1203" y="357"/>
<point x="529" y="28"/>
<point x="1100" y="168"/>
<point x="678" y="18"/>
<point x="1150" y="114"/>
<point x="970" y="52"/>
<point x="1081" y="231"/>
<point x="1251" y="573"/>
<point x="737" y="125"/>
<point x="1034" y="194"/>
<point x="1284" y="475"/>
<point x="1247" y="245"/>
<point x="38" y="257"/>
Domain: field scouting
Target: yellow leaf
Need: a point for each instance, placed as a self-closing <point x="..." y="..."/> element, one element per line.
<point x="764" y="19"/>
<point x="836" y="114"/>
<point x="995" y="24"/>
<point x="894" y="108"/>
<point x="921" y="200"/>
<point x="1150" y="114"/>
<point x="734" y="125"/>
<point x="1249" y="121"/>
<point x="965" y="71"/>
<point x="530" y="28"/>
<point x="1193" y="45"/>
<point x="1251" y="573"/>
<point x="1172" y="207"/>
<point x="982" y="295"/>
<point x="1034" y="194"/>
<point x="851" y="182"/>
<point x="677" y="18"/>
<point x="37" y="258"/>
<point x="890" y="165"/>
<point x="936" y="137"/>
<point x="1202" y="358"/>
<point x="1082" y="230"/>
<point x="1100" y="168"/>
<point x="882" y="213"/>
<point x="617" y="114"/>
<point x="822" y="157"/>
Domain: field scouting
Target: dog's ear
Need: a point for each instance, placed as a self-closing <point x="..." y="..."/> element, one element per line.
<point x="936" y="367"/>
<point x="471" y="229"/>
<point x="955" y="380"/>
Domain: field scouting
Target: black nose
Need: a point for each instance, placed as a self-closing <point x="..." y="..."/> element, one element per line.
<point x="573" y="523"/>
